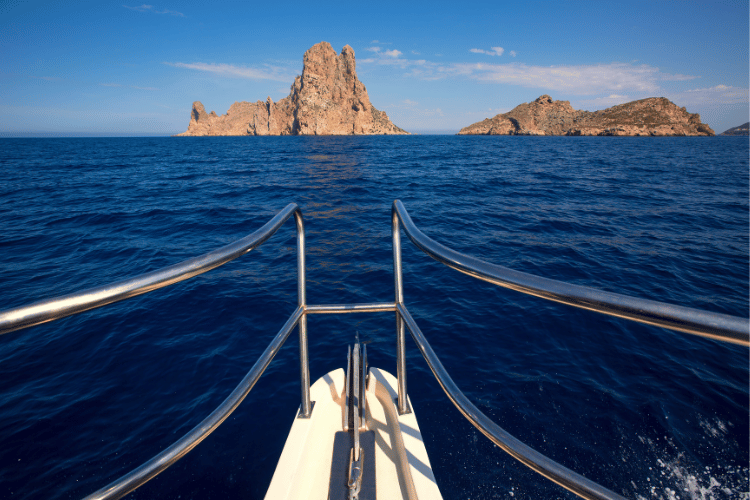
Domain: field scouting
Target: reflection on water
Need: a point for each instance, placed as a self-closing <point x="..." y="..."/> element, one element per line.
<point x="340" y="233"/>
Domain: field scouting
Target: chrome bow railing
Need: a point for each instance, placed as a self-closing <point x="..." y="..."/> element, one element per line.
<point x="52" y="309"/>
<point x="684" y="319"/>
<point x="717" y="326"/>
<point x="60" y="307"/>
<point x="707" y="324"/>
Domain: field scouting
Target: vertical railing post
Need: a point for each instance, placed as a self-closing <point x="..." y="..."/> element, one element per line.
<point x="400" y="325"/>
<point x="304" y="368"/>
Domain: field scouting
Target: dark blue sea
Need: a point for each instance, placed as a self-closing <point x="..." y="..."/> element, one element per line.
<point x="647" y="412"/>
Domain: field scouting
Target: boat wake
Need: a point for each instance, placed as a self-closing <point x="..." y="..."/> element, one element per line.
<point x="676" y="477"/>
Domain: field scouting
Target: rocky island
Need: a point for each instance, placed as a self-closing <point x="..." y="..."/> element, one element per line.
<point x="739" y="130"/>
<point x="655" y="116"/>
<point x="327" y="99"/>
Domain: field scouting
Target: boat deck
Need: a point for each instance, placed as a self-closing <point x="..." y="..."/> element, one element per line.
<point x="402" y="467"/>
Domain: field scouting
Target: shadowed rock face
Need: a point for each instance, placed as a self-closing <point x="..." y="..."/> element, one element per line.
<point x="655" y="116"/>
<point x="328" y="99"/>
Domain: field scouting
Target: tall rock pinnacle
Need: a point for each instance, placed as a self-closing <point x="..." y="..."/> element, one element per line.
<point x="328" y="99"/>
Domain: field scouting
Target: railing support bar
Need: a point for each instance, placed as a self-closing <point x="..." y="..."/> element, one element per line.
<point x="400" y="327"/>
<point x="374" y="307"/>
<point x="304" y="365"/>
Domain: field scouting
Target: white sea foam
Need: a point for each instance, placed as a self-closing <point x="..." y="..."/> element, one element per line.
<point x="675" y="478"/>
<point x="716" y="429"/>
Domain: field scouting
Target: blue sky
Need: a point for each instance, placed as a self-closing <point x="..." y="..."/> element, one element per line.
<point x="125" y="67"/>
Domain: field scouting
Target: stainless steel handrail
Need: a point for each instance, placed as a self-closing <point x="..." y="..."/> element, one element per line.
<point x="514" y="447"/>
<point x="684" y="319"/>
<point x="147" y="471"/>
<point x="59" y="307"/>
<point x="717" y="326"/>
<point x="712" y="325"/>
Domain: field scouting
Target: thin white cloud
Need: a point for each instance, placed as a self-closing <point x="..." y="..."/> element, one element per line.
<point x="140" y="8"/>
<point x="427" y="72"/>
<point x="405" y="104"/>
<point x="575" y="79"/>
<point x="719" y="94"/>
<point x="677" y="77"/>
<point x="373" y="49"/>
<point x="393" y="58"/>
<point x="610" y="82"/>
<point x="513" y="53"/>
<point x="232" y="71"/>
<point x="170" y="12"/>
<point x="128" y="86"/>
<point x="151" y="8"/>
<point x="418" y="68"/>
<point x="718" y="88"/>
<point x="496" y="51"/>
<point x="415" y="52"/>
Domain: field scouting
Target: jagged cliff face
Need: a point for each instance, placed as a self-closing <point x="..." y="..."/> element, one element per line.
<point x="655" y="116"/>
<point x="328" y="99"/>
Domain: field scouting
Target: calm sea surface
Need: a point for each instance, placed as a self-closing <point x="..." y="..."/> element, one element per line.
<point x="646" y="412"/>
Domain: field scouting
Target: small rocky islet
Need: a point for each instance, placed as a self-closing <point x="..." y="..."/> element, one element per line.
<point x="655" y="116"/>
<point x="738" y="130"/>
<point x="329" y="99"/>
